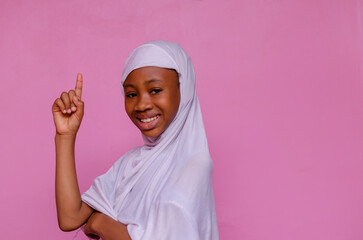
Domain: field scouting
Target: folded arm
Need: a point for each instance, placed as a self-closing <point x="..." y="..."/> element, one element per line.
<point x="102" y="226"/>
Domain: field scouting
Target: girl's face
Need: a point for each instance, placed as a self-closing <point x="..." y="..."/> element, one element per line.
<point x="152" y="98"/>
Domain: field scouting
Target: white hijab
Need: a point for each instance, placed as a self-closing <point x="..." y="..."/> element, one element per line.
<point x="163" y="190"/>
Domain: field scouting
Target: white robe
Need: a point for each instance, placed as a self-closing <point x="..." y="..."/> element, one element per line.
<point x="163" y="190"/>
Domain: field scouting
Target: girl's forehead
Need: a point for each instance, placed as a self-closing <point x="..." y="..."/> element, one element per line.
<point x="151" y="74"/>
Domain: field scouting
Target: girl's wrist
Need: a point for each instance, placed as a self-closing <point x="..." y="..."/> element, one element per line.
<point x="59" y="136"/>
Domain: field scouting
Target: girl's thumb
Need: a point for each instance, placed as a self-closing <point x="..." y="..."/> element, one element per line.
<point x="79" y="104"/>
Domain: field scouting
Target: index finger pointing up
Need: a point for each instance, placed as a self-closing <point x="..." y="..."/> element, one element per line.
<point x="79" y="85"/>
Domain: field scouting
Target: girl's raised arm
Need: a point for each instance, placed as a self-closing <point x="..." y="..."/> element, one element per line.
<point x="68" y="112"/>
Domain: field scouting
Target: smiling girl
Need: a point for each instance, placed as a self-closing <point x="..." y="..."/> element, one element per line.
<point x="161" y="190"/>
<point x="152" y="98"/>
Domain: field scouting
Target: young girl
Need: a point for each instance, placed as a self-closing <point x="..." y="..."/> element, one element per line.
<point x="161" y="190"/>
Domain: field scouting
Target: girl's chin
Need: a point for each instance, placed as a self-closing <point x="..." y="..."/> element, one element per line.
<point x="151" y="133"/>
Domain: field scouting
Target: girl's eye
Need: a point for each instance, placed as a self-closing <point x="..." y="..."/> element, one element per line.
<point x="130" y="95"/>
<point x="155" y="91"/>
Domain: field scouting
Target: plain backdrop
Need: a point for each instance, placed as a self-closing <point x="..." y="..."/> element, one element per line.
<point x="280" y="84"/>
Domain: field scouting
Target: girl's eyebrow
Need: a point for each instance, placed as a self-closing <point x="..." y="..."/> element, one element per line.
<point x="128" y="85"/>
<point x="147" y="82"/>
<point x="153" y="80"/>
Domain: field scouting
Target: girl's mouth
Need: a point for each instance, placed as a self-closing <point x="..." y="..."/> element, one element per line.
<point x="146" y="120"/>
<point x="148" y="123"/>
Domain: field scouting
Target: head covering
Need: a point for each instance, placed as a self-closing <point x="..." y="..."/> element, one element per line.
<point x="163" y="189"/>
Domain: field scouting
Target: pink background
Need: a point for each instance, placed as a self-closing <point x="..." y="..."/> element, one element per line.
<point x="280" y="84"/>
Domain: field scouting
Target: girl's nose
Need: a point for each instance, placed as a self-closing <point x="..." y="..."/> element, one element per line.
<point x="144" y="103"/>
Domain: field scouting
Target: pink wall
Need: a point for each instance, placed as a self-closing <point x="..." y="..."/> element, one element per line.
<point x="280" y="84"/>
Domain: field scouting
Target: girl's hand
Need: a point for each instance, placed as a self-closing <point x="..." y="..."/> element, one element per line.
<point x="102" y="226"/>
<point x="68" y="110"/>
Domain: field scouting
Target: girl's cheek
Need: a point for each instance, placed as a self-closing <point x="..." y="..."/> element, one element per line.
<point x="128" y="110"/>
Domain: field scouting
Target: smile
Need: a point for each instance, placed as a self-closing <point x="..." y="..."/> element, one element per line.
<point x="146" y="120"/>
<point x="146" y="123"/>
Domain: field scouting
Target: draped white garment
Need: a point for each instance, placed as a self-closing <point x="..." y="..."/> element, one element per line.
<point x="163" y="190"/>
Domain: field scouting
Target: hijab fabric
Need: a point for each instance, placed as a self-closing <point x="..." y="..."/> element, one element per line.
<point x="163" y="190"/>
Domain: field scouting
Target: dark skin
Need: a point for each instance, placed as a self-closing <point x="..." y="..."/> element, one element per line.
<point x="68" y="111"/>
<point x="152" y="100"/>
<point x="102" y="226"/>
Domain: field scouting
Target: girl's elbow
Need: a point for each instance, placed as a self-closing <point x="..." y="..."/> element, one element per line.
<point x="67" y="226"/>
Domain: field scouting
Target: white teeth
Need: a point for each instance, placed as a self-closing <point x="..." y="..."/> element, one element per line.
<point x="148" y="119"/>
